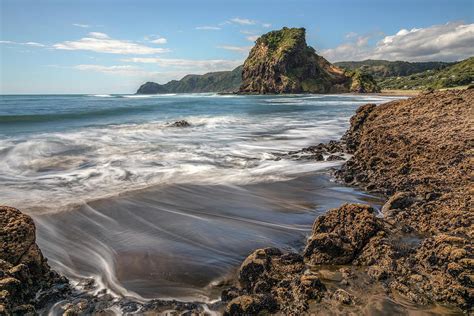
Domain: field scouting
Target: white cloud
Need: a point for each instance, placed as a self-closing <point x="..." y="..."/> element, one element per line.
<point x="447" y="42"/>
<point x="252" y="38"/>
<point x="351" y="35"/>
<point x="196" y="65"/>
<point x="241" y="49"/>
<point x="160" y="40"/>
<point x="266" y="25"/>
<point x="242" y="21"/>
<point x="81" y="25"/>
<point x="102" y="43"/>
<point x="35" y="44"/>
<point x="125" y="70"/>
<point x="207" y="28"/>
<point x="98" y="35"/>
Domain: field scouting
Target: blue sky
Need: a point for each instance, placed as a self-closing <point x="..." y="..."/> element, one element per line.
<point x="114" y="46"/>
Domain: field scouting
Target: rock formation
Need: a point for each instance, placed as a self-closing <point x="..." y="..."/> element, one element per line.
<point x="220" y="81"/>
<point x="418" y="153"/>
<point x="26" y="280"/>
<point x="282" y="62"/>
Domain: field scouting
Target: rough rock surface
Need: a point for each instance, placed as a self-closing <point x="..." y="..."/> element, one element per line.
<point x="270" y="280"/>
<point x="282" y="62"/>
<point x="419" y="152"/>
<point x="182" y="123"/>
<point x="26" y="280"/>
<point x="340" y="234"/>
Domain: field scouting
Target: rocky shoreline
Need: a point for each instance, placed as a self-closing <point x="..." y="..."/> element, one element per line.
<point x="416" y="152"/>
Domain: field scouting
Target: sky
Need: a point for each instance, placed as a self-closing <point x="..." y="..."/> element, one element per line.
<point x="105" y="46"/>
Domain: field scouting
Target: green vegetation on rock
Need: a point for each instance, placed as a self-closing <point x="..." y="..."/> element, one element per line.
<point x="415" y="75"/>
<point x="459" y="74"/>
<point x="221" y="81"/>
<point x="363" y="82"/>
<point x="282" y="62"/>
<point x="384" y="68"/>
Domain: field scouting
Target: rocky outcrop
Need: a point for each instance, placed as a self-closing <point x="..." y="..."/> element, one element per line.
<point x="26" y="280"/>
<point x="418" y="153"/>
<point x="181" y="123"/>
<point x="270" y="281"/>
<point x="362" y="82"/>
<point x="339" y="235"/>
<point x="282" y="62"/>
<point x="151" y="88"/>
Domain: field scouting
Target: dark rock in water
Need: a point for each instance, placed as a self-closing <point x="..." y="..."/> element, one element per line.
<point x="251" y="305"/>
<point x="334" y="158"/>
<point x="280" y="278"/>
<point x="282" y="62"/>
<point x="230" y="293"/>
<point x="341" y="233"/>
<point x="398" y="201"/>
<point x="181" y="123"/>
<point x="23" y="269"/>
<point x="317" y="152"/>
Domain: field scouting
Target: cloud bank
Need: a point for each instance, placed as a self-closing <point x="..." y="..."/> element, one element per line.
<point x="102" y="43"/>
<point x="446" y="42"/>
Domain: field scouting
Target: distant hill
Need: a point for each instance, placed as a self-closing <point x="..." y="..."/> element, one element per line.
<point x="385" y="68"/>
<point x="221" y="81"/>
<point x="457" y="74"/>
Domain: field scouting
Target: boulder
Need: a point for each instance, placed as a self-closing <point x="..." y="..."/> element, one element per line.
<point x="23" y="269"/>
<point x="181" y="123"/>
<point x="341" y="233"/>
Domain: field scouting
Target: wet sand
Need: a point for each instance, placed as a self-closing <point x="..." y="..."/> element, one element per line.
<point x="184" y="241"/>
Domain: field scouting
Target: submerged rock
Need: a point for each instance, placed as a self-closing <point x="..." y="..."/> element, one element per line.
<point x="181" y="123"/>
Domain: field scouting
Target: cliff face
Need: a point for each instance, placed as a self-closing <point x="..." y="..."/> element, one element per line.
<point x="282" y="62"/>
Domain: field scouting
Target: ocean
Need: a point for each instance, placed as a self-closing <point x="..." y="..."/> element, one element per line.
<point x="153" y="211"/>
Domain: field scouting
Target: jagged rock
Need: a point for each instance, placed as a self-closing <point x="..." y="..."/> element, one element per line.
<point x="282" y="62"/>
<point x="251" y="305"/>
<point x="398" y="201"/>
<point x="282" y="277"/>
<point x="340" y="234"/>
<point x="334" y="158"/>
<point x="362" y="82"/>
<point x="342" y="297"/>
<point x="23" y="269"/>
<point x="182" y="123"/>
<point x="421" y="148"/>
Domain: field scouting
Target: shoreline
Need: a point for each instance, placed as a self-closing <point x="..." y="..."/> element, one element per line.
<point x="270" y="280"/>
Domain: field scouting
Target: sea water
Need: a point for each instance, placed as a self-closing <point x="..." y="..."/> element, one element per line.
<point x="154" y="211"/>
